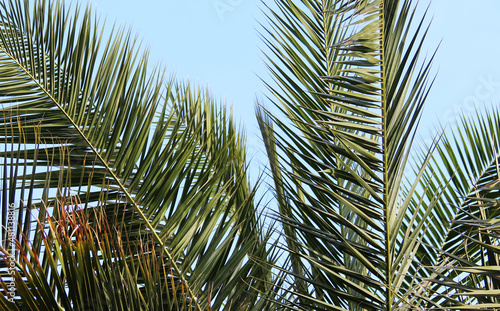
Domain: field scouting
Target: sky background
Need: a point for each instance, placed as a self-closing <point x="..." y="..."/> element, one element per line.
<point x="215" y="43"/>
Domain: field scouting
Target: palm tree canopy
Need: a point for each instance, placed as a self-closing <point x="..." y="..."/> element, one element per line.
<point x="123" y="188"/>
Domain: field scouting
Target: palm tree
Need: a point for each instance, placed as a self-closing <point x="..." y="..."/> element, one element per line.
<point x="349" y="84"/>
<point x="129" y="192"/>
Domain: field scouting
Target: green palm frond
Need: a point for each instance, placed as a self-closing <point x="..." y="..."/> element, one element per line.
<point x="342" y="157"/>
<point x="157" y="157"/>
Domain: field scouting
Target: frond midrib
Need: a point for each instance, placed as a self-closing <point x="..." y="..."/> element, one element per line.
<point x="386" y="178"/>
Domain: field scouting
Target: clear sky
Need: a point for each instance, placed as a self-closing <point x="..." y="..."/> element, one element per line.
<point x="215" y="43"/>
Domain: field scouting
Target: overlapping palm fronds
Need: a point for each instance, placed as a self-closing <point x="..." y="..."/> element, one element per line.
<point x="129" y="190"/>
<point x="349" y="79"/>
<point x="360" y="234"/>
<point x="86" y="117"/>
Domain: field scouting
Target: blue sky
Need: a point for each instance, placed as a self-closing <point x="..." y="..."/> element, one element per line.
<point x="215" y="43"/>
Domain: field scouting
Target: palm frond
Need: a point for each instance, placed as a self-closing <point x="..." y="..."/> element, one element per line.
<point x="156" y="152"/>
<point x="353" y="112"/>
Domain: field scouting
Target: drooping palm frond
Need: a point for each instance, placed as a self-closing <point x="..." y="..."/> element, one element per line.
<point x="340" y="160"/>
<point x="84" y="116"/>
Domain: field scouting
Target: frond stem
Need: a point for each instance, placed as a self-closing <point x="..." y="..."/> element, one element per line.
<point x="388" y="271"/>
